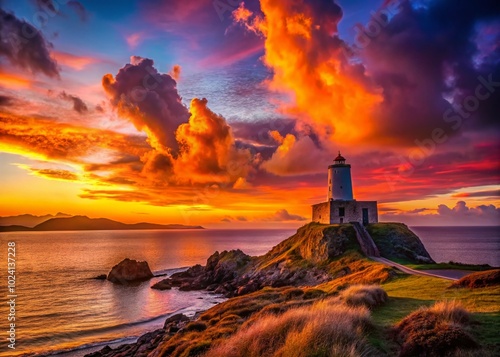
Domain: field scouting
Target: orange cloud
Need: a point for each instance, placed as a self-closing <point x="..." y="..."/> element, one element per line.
<point x="76" y="62"/>
<point x="188" y="145"/>
<point x="308" y="63"/>
<point x="44" y="138"/>
<point x="55" y="174"/>
<point x="295" y="156"/>
<point x="207" y="150"/>
<point x="10" y="80"/>
<point x="175" y="72"/>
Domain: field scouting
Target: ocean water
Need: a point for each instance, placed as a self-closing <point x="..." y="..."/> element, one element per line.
<point x="58" y="308"/>
<point x="470" y="245"/>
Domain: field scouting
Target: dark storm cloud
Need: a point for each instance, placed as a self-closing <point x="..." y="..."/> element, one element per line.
<point x="53" y="8"/>
<point x="79" y="10"/>
<point x="5" y="100"/>
<point x="78" y="105"/>
<point x="149" y="99"/>
<point x="491" y="193"/>
<point x="426" y="52"/>
<point x="24" y="46"/>
<point x="258" y="132"/>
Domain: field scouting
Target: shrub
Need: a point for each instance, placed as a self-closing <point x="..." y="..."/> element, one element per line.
<point x="480" y="279"/>
<point x="440" y="330"/>
<point x="364" y="295"/>
<point x="451" y="311"/>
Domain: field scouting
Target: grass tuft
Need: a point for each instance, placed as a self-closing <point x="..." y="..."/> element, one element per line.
<point x="369" y="296"/>
<point x="439" y="330"/>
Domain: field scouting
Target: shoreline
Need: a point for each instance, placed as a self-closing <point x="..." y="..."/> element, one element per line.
<point x="152" y="326"/>
<point x="149" y="332"/>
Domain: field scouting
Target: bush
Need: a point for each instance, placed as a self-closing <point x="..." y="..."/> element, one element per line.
<point x="364" y="295"/>
<point x="440" y="330"/>
<point x="480" y="279"/>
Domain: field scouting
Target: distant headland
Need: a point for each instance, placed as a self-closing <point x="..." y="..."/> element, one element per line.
<point x="84" y="223"/>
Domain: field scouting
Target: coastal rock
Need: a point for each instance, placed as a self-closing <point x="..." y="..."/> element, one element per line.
<point x="162" y="285"/>
<point x="175" y="323"/>
<point x="144" y="345"/>
<point x="100" y="277"/>
<point x="221" y="269"/>
<point x="130" y="271"/>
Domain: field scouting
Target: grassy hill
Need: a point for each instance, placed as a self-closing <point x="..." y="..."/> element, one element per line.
<point x="337" y="303"/>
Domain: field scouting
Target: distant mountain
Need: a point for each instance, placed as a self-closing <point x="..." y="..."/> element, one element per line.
<point x="29" y="220"/>
<point x="84" y="223"/>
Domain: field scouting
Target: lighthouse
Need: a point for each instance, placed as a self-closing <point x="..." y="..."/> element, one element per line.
<point x="339" y="180"/>
<point x="340" y="206"/>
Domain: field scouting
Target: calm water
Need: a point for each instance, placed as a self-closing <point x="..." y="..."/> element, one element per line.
<point x="59" y="307"/>
<point x="472" y="245"/>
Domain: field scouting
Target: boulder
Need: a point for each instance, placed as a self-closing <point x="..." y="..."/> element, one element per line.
<point x="175" y="323"/>
<point x="130" y="271"/>
<point x="100" y="277"/>
<point x="162" y="285"/>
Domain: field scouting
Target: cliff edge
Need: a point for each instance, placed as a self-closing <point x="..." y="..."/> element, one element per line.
<point x="316" y="254"/>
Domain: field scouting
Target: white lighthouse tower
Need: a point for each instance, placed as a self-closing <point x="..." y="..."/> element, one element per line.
<point x="339" y="180"/>
<point x="340" y="206"/>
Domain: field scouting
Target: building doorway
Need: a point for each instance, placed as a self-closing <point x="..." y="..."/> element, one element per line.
<point x="365" y="215"/>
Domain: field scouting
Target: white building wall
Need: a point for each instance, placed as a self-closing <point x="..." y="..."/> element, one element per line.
<point x="339" y="183"/>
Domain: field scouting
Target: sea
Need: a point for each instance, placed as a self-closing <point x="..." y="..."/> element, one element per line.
<point x="60" y="310"/>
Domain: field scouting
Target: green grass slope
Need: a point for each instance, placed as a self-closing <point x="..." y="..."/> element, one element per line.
<point x="397" y="242"/>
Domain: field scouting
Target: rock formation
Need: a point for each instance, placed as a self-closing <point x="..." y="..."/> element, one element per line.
<point x="130" y="271"/>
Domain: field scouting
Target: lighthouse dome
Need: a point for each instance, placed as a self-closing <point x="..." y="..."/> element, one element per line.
<point x="339" y="159"/>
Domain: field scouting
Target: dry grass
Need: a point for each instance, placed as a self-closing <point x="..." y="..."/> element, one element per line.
<point x="450" y="312"/>
<point x="327" y="328"/>
<point x="353" y="268"/>
<point x="480" y="279"/>
<point x="369" y="296"/>
<point x="439" y="330"/>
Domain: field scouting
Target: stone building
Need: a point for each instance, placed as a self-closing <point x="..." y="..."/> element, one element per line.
<point x="341" y="207"/>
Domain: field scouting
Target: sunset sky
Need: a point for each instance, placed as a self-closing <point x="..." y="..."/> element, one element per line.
<point x="227" y="113"/>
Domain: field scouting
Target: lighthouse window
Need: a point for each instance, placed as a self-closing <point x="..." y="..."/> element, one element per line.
<point x="341" y="211"/>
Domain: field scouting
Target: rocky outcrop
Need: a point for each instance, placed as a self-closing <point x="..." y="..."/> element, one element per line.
<point x="130" y="271"/>
<point x="144" y="345"/>
<point x="301" y="260"/>
<point x="219" y="275"/>
<point x="147" y="342"/>
<point x="292" y="262"/>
